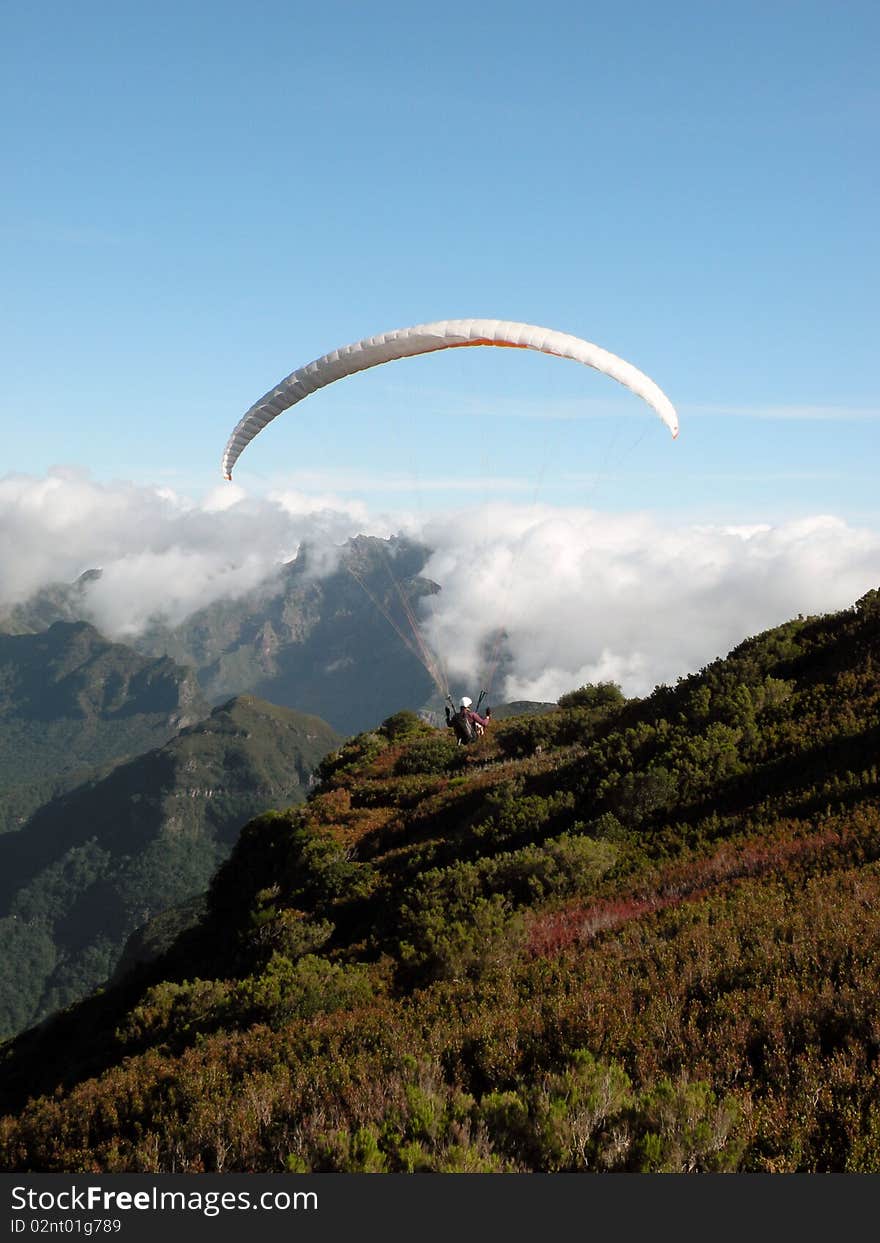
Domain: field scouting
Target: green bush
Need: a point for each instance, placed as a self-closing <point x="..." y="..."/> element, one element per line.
<point x="575" y="1120"/>
<point x="403" y="725"/>
<point x="484" y="939"/>
<point x="683" y="1128"/>
<point x="435" y="754"/>
<point x="602" y="696"/>
<point x="285" y="990"/>
<point x="360" y="750"/>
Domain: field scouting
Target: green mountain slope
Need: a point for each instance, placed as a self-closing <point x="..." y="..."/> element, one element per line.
<point x="70" y="700"/>
<point x="623" y="935"/>
<point x="94" y="864"/>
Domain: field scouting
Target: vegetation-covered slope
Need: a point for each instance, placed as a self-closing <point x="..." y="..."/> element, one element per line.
<point x="632" y="935"/>
<point x="92" y="865"/>
<point x="70" y="700"/>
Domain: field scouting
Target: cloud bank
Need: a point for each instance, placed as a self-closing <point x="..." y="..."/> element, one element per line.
<point x="580" y="595"/>
<point x="160" y="553"/>
<point x="585" y="596"/>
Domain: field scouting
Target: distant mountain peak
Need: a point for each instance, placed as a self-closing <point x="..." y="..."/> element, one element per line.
<point x="330" y="632"/>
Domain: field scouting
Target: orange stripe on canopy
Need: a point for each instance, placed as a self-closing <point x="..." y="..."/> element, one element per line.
<point x="509" y="345"/>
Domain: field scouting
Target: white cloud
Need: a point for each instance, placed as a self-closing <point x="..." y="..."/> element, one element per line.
<point x="580" y="595"/>
<point x="160" y="552"/>
<point x="585" y="596"/>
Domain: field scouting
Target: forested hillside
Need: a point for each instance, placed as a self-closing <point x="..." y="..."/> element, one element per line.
<point x="622" y="935"/>
<point x="71" y="701"/>
<point x="92" y="865"/>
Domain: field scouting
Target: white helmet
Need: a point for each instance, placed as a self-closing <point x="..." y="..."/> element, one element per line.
<point x="465" y="702"/>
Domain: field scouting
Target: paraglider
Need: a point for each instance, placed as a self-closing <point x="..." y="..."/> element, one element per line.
<point x="467" y="723"/>
<point x="425" y="339"/>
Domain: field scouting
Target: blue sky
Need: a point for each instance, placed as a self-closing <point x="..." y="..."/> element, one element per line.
<point x="200" y="197"/>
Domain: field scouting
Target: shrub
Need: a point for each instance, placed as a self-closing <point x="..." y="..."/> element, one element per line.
<point x="358" y="751"/>
<point x="570" y="1121"/>
<point x="595" y="695"/>
<point x="284" y="990"/>
<point x="404" y="725"/>
<point x="485" y="938"/>
<point x="434" y="754"/>
<point x="683" y="1128"/>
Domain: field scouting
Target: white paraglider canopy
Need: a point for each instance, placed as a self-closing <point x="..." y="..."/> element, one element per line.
<point x="425" y="339"/>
